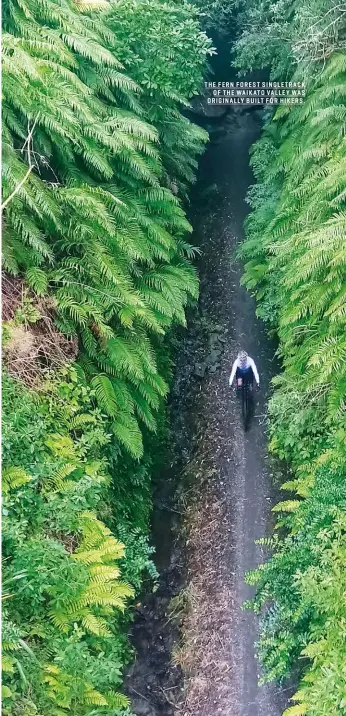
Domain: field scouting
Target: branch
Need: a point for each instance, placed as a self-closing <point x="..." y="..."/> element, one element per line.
<point x="340" y="7"/>
<point x="16" y="190"/>
<point x="29" y="139"/>
<point x="30" y="168"/>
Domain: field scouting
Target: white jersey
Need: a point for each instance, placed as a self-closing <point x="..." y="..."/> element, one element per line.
<point x="250" y="363"/>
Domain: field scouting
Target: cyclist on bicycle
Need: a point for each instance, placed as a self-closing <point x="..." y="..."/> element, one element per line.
<point x="244" y="369"/>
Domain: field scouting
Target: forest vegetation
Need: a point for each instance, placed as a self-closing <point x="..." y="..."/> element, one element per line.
<point x="97" y="162"/>
<point x="98" y="158"/>
<point x="294" y="257"/>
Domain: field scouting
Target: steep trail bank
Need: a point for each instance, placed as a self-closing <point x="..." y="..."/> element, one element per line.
<point x="228" y="493"/>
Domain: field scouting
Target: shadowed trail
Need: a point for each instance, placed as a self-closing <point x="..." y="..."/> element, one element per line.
<point x="228" y="492"/>
<point x="232" y="504"/>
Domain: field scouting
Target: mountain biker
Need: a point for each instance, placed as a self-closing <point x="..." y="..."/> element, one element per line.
<point x="244" y="369"/>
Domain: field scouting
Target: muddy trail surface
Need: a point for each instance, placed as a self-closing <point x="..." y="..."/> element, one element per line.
<point x="227" y="486"/>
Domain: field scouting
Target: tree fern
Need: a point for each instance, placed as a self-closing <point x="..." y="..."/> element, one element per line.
<point x="294" y="254"/>
<point x="105" y="394"/>
<point x="91" y="154"/>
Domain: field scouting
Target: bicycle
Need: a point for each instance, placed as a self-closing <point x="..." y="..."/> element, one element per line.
<point x="246" y="387"/>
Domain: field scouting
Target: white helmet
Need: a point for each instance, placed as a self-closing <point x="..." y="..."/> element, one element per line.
<point x="242" y="356"/>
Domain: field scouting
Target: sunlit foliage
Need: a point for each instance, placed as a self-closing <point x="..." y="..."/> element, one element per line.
<point x="97" y="159"/>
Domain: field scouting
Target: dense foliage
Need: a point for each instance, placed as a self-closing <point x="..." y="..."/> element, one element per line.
<point x="97" y="158"/>
<point x="295" y="264"/>
<point x="63" y="649"/>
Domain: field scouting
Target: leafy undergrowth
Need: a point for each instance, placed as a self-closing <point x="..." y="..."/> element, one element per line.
<point x="295" y="263"/>
<point x="97" y="160"/>
<point x="65" y="572"/>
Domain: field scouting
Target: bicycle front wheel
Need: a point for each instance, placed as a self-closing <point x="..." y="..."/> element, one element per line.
<point x="245" y="406"/>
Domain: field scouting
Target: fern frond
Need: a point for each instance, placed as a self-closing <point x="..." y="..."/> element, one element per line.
<point x="13" y="478"/>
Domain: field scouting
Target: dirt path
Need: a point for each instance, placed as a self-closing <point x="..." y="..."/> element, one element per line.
<point x="232" y="494"/>
<point x="228" y="493"/>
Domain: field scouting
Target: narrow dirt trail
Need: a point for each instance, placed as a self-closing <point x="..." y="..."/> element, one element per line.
<point x="223" y="472"/>
<point x="231" y="494"/>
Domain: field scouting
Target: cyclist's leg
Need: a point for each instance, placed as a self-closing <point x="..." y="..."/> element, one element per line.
<point x="239" y="377"/>
<point x="250" y="380"/>
<point x="247" y="377"/>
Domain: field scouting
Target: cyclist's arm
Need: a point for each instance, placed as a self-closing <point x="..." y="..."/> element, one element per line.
<point x="255" y="371"/>
<point x="233" y="372"/>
